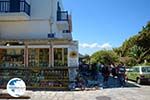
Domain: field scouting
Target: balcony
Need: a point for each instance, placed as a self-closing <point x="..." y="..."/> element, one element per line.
<point x="62" y="20"/>
<point x="62" y="15"/>
<point x="14" y="10"/>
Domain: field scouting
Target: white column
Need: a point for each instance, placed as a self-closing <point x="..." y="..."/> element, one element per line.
<point x="73" y="61"/>
<point x="52" y="55"/>
<point x="26" y="55"/>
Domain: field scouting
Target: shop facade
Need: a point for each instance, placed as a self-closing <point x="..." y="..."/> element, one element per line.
<point x="37" y="55"/>
<point x="60" y="58"/>
<point x="36" y="44"/>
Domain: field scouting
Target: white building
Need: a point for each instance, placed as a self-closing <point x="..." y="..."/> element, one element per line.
<point x="36" y="34"/>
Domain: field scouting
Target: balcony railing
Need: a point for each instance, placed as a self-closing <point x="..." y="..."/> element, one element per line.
<point x="62" y="15"/>
<point x="6" y="8"/>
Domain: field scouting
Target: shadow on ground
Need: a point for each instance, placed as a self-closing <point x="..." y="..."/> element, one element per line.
<point x="131" y="85"/>
<point x="6" y="96"/>
<point x="114" y="83"/>
<point x="92" y="84"/>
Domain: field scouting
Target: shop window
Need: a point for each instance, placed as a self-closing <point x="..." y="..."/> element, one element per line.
<point x="38" y="57"/>
<point x="43" y="57"/>
<point x="33" y="57"/>
<point x="12" y="57"/>
<point x="60" y="57"/>
<point x="65" y="56"/>
<point x="2" y="56"/>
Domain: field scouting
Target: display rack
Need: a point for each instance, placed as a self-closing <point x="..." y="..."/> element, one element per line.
<point x="38" y="57"/>
<point x="33" y="57"/>
<point x="43" y="57"/>
<point x="12" y="58"/>
<point x="37" y="77"/>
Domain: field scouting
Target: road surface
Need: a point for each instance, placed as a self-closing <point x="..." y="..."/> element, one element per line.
<point x="131" y="92"/>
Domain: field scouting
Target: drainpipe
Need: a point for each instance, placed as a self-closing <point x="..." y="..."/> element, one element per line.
<point x="51" y="20"/>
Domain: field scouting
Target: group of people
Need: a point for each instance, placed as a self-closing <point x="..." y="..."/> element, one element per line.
<point x="96" y="72"/>
<point x="114" y="71"/>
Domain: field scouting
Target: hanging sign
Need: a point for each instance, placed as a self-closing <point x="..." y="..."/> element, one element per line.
<point x="73" y="54"/>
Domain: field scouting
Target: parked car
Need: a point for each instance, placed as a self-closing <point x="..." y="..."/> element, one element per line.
<point x="140" y="74"/>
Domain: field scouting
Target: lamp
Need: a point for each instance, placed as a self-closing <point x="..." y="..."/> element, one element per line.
<point x="7" y="44"/>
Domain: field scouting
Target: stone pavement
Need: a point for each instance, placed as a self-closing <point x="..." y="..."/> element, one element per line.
<point x="131" y="91"/>
<point x="127" y="93"/>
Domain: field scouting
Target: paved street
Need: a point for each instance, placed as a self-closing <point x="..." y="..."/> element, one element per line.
<point x="132" y="92"/>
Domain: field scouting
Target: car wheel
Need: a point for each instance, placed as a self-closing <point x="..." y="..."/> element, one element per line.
<point x="138" y="80"/>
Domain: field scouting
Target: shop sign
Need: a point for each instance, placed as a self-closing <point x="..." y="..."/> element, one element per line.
<point x="73" y="54"/>
<point x="51" y="35"/>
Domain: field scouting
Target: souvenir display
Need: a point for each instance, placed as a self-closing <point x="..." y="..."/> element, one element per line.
<point x="36" y="78"/>
<point x="38" y="74"/>
<point x="12" y="57"/>
<point x="38" y="57"/>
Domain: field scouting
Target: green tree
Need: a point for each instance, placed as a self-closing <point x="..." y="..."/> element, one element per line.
<point x="128" y="44"/>
<point x="86" y="59"/>
<point x="136" y="49"/>
<point x="143" y="39"/>
<point x="104" y="56"/>
<point x="137" y="53"/>
<point x="119" y="51"/>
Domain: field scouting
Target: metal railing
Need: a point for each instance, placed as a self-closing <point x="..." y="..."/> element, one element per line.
<point x="5" y="7"/>
<point x="62" y="16"/>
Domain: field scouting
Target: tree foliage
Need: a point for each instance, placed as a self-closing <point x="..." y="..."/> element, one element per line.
<point x="104" y="56"/>
<point x="134" y="51"/>
<point x="144" y="37"/>
<point x="137" y="47"/>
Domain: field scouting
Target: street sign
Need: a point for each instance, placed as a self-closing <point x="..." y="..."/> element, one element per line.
<point x="51" y="35"/>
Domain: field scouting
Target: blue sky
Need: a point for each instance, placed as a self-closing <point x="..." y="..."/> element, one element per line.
<point x="104" y="24"/>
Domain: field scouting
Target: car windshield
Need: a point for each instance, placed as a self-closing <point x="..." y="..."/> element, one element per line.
<point x="130" y="70"/>
<point x="146" y="69"/>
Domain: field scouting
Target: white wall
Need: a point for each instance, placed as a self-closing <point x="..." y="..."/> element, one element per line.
<point x="73" y="62"/>
<point x="43" y="9"/>
<point x="40" y="9"/>
<point x="24" y="29"/>
<point x="38" y="25"/>
<point x="33" y="29"/>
